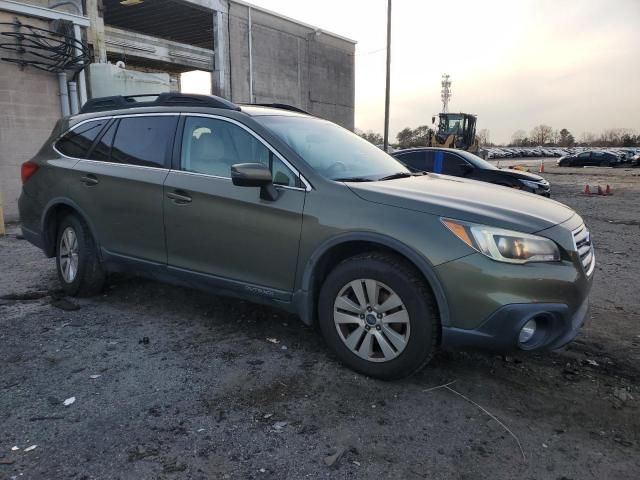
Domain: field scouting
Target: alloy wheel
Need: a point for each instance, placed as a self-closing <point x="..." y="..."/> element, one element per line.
<point x="69" y="255"/>
<point x="372" y="320"/>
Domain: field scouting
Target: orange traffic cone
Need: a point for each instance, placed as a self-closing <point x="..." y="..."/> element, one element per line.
<point x="587" y="190"/>
<point x="600" y="192"/>
<point x="607" y="191"/>
<point x="541" y="169"/>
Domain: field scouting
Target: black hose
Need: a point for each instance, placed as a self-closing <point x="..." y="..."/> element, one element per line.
<point x="48" y="50"/>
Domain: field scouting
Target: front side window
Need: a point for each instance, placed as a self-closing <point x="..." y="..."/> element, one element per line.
<point x="211" y="146"/>
<point x="77" y="142"/>
<point x="332" y="151"/>
<point x="143" y="140"/>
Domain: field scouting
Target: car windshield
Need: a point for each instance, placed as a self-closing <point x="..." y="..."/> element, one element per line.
<point x="453" y="124"/>
<point x="334" y="152"/>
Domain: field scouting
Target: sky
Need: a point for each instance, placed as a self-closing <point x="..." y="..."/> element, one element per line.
<point x="571" y="64"/>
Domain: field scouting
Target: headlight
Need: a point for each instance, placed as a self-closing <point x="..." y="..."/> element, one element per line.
<point x="530" y="184"/>
<point x="504" y="245"/>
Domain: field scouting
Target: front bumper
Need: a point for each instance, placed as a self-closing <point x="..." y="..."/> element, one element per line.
<point x="489" y="301"/>
<point x="557" y="326"/>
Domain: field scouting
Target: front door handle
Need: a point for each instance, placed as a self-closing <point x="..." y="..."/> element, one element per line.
<point x="179" y="197"/>
<point x="89" y="179"/>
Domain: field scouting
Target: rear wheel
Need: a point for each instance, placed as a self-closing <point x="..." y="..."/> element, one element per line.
<point x="378" y="315"/>
<point x="79" y="269"/>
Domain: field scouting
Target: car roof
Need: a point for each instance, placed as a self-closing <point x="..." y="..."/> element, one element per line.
<point x="263" y="110"/>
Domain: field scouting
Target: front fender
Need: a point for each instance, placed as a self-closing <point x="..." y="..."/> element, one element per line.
<point x="304" y="297"/>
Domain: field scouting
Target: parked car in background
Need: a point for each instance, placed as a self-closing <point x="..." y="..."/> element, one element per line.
<point x="459" y="163"/>
<point x="279" y="207"/>
<point x="597" y="158"/>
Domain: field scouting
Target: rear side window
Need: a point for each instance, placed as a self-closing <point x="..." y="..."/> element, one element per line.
<point x="102" y="150"/>
<point x="413" y="160"/>
<point x="454" y="165"/>
<point x="143" y="140"/>
<point x="77" y="142"/>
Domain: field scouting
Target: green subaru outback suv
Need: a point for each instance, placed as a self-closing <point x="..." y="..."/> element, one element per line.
<point x="273" y="205"/>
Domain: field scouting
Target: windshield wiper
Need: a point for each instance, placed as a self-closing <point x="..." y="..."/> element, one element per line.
<point x="352" y="179"/>
<point x="398" y="175"/>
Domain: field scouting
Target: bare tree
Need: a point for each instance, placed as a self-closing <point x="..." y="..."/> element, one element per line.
<point x="484" y="136"/>
<point x="587" y="138"/>
<point x="613" y="137"/>
<point x="518" y="138"/>
<point x="542" y="134"/>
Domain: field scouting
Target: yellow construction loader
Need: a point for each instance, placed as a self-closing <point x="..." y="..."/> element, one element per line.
<point x="455" y="130"/>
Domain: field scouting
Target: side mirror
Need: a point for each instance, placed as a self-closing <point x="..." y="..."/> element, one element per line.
<point x="254" y="175"/>
<point x="433" y="119"/>
<point x="467" y="169"/>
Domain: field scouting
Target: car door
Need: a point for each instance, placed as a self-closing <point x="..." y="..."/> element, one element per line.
<point x="226" y="232"/>
<point x="119" y="186"/>
<point x="583" y="158"/>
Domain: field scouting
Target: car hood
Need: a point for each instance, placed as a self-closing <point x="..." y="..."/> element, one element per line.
<point x="519" y="174"/>
<point x="467" y="200"/>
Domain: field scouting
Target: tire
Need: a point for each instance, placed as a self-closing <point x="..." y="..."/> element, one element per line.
<point x="88" y="276"/>
<point x="418" y="322"/>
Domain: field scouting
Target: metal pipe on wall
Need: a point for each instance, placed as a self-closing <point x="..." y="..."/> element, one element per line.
<point x="82" y="82"/>
<point x="73" y="97"/>
<point x="250" y="33"/>
<point x="64" y="94"/>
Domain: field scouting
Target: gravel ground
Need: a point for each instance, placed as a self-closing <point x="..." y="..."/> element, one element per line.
<point x="173" y="383"/>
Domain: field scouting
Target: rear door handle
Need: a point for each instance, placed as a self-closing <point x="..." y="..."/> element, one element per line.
<point x="89" y="179"/>
<point x="179" y="197"/>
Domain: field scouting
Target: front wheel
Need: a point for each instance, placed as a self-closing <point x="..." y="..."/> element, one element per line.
<point x="79" y="268"/>
<point x="378" y="315"/>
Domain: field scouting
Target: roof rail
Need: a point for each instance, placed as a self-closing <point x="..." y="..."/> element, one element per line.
<point x="120" y="102"/>
<point x="281" y="106"/>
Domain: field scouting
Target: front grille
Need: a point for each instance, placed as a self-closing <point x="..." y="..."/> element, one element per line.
<point x="584" y="248"/>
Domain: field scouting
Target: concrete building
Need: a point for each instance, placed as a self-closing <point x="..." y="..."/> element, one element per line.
<point x="253" y="55"/>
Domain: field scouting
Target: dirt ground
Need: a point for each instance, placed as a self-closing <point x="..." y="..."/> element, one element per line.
<point x="173" y="383"/>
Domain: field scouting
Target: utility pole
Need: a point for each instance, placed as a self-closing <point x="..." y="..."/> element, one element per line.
<point x="386" y="98"/>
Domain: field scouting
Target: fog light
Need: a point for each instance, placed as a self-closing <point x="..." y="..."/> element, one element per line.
<point x="527" y="332"/>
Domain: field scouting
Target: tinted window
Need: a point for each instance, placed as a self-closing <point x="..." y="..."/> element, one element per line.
<point x="212" y="146"/>
<point x="584" y="155"/>
<point x="454" y="165"/>
<point x="77" y="142"/>
<point x="102" y="150"/>
<point x="413" y="160"/>
<point x="143" y="140"/>
<point x="429" y="160"/>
